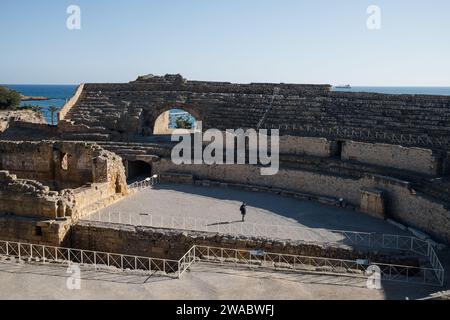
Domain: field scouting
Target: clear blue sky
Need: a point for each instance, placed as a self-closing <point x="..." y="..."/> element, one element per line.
<point x="300" y="41"/>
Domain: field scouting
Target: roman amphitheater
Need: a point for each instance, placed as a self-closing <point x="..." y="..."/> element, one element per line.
<point x="363" y="182"/>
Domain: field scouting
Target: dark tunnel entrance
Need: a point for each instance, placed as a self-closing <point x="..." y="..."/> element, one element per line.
<point x="138" y="170"/>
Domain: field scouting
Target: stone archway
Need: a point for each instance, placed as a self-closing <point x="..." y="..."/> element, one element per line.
<point x="157" y="122"/>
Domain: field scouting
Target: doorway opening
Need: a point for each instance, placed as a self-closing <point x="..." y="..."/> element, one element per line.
<point x="138" y="170"/>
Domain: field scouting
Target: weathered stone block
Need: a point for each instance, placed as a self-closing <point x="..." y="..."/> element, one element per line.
<point x="373" y="202"/>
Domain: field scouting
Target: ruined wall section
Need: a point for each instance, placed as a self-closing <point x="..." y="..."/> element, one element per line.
<point x="46" y="232"/>
<point x="59" y="165"/>
<point x="319" y="147"/>
<point x="419" y="160"/>
<point x="28" y="198"/>
<point x="58" y="179"/>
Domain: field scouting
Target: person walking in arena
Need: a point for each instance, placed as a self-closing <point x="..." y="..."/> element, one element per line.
<point x="243" y="211"/>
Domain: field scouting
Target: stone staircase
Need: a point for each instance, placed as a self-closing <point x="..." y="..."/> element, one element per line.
<point x="99" y="119"/>
<point x="397" y="116"/>
<point x="103" y="108"/>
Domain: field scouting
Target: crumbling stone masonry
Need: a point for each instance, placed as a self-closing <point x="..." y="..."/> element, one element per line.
<point x="46" y="186"/>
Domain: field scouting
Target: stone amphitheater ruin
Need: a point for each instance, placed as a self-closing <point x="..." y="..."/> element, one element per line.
<point x="384" y="156"/>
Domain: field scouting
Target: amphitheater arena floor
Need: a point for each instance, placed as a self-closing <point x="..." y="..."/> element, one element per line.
<point x="217" y="209"/>
<point x="205" y="282"/>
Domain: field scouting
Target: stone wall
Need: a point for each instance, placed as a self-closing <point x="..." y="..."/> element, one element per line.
<point x="319" y="147"/>
<point x="173" y="244"/>
<point x="29" y="198"/>
<point x="69" y="105"/>
<point x="20" y="229"/>
<point x="413" y="159"/>
<point x="162" y="124"/>
<point x="58" y="179"/>
<point x="60" y="165"/>
<point x="402" y="202"/>
<point x="8" y="117"/>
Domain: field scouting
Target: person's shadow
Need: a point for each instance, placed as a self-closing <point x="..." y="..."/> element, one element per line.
<point x="224" y="223"/>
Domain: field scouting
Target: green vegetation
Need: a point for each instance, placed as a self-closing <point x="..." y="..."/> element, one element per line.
<point x="9" y="99"/>
<point x="52" y="110"/>
<point x="182" y="123"/>
<point x="37" y="109"/>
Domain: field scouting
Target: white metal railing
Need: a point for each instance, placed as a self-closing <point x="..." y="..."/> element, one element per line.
<point x="100" y="260"/>
<point x="186" y="261"/>
<point x="144" y="184"/>
<point x="282" y="232"/>
<point x="276" y="261"/>
<point x="250" y="258"/>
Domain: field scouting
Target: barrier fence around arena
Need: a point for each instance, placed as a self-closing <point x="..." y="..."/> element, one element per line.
<point x="223" y="256"/>
<point x="100" y="260"/>
<point x="282" y="232"/>
<point x="359" y="268"/>
<point x="144" y="184"/>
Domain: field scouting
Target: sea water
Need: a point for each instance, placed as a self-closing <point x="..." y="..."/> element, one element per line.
<point x="58" y="95"/>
